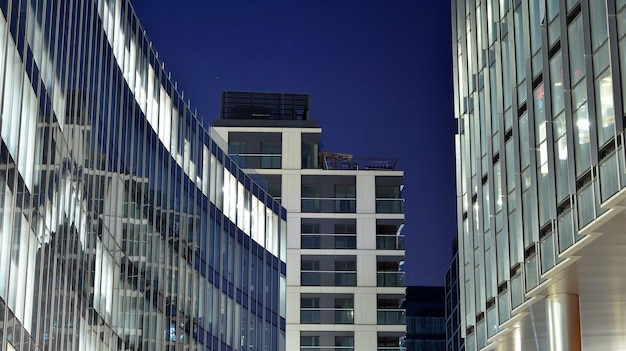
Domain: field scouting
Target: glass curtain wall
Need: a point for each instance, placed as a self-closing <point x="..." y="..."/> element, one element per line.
<point x="122" y="224"/>
<point x="539" y="102"/>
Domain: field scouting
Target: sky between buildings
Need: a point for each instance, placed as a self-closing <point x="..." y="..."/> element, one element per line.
<point x="379" y="75"/>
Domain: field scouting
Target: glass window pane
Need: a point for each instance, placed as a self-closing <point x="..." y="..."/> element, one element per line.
<point x="576" y="50"/>
<point x="605" y="112"/>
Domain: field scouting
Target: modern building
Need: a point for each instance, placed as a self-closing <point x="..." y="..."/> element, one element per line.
<point x="540" y="99"/>
<point x="124" y="225"/>
<point x="345" y="216"/>
<point x="425" y="318"/>
<point x="454" y="339"/>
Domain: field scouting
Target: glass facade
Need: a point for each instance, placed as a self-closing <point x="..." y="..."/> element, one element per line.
<point x="539" y="101"/>
<point x="123" y="224"/>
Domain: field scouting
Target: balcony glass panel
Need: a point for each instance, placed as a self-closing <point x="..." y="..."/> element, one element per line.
<point x="310" y="316"/>
<point x="328" y="241"/>
<point x="328" y="205"/>
<point x="609" y="177"/>
<point x="389" y="279"/>
<point x="391" y="317"/>
<point x="310" y="278"/>
<point x="328" y="278"/>
<point x="389" y="205"/>
<point x="390" y="242"/>
<point x="345" y="205"/>
<point x="311" y="205"/>
<point x="327" y="316"/>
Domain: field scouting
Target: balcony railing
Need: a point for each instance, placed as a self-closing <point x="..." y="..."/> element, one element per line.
<point x="327" y="316"/>
<point x="391" y="317"/>
<point x="328" y="278"/>
<point x="390" y="279"/>
<point x="328" y="241"/>
<point x="389" y="242"/>
<point x="337" y="161"/>
<point x="399" y="348"/>
<point x="265" y="161"/>
<point x="328" y="205"/>
<point x="389" y="205"/>
<point x="326" y="348"/>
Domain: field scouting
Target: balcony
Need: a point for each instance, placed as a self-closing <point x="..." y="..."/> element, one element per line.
<point x="328" y="278"/>
<point x="327" y="316"/>
<point x="390" y="279"/>
<point x="391" y="317"/>
<point x="328" y="241"/>
<point x="328" y="205"/>
<point x="389" y="205"/>
<point x="389" y="242"/>
<point x="258" y="161"/>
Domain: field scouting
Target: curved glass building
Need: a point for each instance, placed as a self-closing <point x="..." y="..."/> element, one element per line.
<point x="123" y="224"/>
<point x="540" y="100"/>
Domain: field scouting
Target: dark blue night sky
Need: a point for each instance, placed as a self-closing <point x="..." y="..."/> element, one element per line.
<point x="379" y="74"/>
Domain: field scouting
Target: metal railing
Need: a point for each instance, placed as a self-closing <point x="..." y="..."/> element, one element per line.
<point x="337" y="161"/>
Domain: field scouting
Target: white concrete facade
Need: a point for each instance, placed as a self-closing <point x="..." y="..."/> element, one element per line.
<point x="360" y="316"/>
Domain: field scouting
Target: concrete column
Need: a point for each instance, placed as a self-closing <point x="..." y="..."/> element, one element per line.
<point x="563" y="322"/>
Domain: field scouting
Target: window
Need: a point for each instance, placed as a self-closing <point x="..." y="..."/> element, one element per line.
<point x="328" y="233"/>
<point x="309" y="340"/>
<point x="388" y="199"/>
<point x="309" y="241"/>
<point x="347" y="192"/>
<point x="309" y="310"/>
<point x="345" y="273"/>
<point x="236" y="147"/>
<point x="344" y="341"/>
<point x="388" y="235"/>
<point x="345" y="241"/>
<point x="327" y="308"/>
<point x="310" y="275"/>
<point x="271" y="155"/>
<point x="309" y="156"/>
<point x="310" y="198"/>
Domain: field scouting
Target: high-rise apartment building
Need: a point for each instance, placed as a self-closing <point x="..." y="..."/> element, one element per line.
<point x="540" y="100"/>
<point x="345" y="215"/>
<point x="123" y="224"/>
